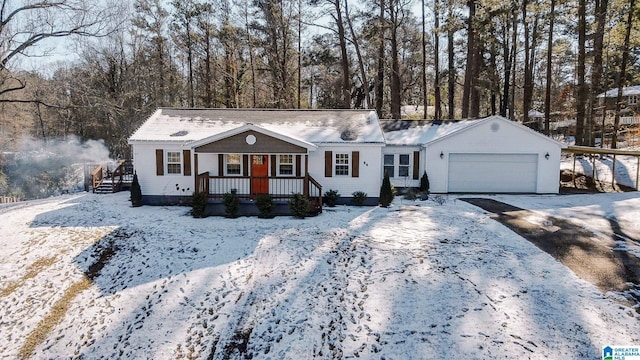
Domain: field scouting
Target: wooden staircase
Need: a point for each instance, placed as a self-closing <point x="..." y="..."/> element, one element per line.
<point x="104" y="181"/>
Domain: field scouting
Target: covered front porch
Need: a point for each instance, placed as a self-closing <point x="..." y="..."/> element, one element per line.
<point x="251" y="161"/>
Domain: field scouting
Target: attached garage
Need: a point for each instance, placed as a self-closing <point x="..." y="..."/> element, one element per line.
<point x="490" y="155"/>
<point x="500" y="173"/>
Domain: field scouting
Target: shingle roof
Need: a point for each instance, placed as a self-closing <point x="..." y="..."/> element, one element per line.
<point x="314" y="126"/>
<point x="626" y="91"/>
<point x="418" y="132"/>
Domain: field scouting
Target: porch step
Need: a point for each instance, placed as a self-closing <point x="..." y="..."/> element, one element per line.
<point x="104" y="188"/>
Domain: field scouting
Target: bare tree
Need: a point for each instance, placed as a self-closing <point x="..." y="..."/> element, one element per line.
<point x="26" y="25"/>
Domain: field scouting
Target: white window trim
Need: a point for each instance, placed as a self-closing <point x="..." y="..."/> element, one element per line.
<point x="179" y="163"/>
<point x="408" y="166"/>
<point x="633" y="99"/>
<point x="348" y="164"/>
<point x="293" y="165"/>
<point x="393" y="165"/>
<point x="396" y="166"/>
<point x="226" y="165"/>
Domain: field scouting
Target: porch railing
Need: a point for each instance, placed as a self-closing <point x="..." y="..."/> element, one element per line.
<point x="116" y="178"/>
<point x="97" y="176"/>
<point x="248" y="187"/>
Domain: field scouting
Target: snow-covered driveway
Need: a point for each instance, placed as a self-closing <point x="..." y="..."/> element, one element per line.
<point x="415" y="281"/>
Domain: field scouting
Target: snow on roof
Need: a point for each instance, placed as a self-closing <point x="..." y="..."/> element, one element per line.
<point x="418" y="132"/>
<point x="535" y="114"/>
<point x="314" y="126"/>
<point x="626" y="91"/>
<point x="422" y="132"/>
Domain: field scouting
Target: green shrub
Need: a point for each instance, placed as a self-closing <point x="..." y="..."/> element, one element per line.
<point x="230" y="202"/>
<point x="424" y="183"/>
<point x="386" y="193"/>
<point x="264" y="202"/>
<point x="331" y="197"/>
<point x="299" y="205"/>
<point x="359" y="198"/>
<point x="199" y="201"/>
<point x="136" y="192"/>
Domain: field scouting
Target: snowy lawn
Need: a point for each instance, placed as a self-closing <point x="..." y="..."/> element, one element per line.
<point x="88" y="276"/>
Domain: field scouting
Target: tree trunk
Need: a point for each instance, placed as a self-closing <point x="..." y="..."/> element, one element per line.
<point x="344" y="58"/>
<point x="623" y="72"/>
<point x="471" y="53"/>
<point x="451" y="65"/>
<point x="423" y="68"/>
<point x="506" y="80"/>
<point x="596" y="69"/>
<point x="526" y="96"/>
<point x="395" y="62"/>
<point x="190" y="62"/>
<point x="208" y="86"/>
<point x="380" y="70"/>
<point x="251" y="61"/>
<point x="299" y="53"/>
<point x="514" y="51"/>
<point x="547" y="95"/>
<point x="581" y="88"/>
<point x="436" y="60"/>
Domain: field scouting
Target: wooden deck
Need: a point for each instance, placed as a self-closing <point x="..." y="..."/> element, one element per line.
<point x="104" y="181"/>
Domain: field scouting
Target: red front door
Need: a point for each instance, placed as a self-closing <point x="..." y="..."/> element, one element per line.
<point x="259" y="174"/>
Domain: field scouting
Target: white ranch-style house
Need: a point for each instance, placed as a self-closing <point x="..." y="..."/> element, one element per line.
<point x="282" y="152"/>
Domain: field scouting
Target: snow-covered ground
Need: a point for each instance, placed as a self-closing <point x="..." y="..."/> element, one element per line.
<point x="626" y="167"/>
<point x="418" y="280"/>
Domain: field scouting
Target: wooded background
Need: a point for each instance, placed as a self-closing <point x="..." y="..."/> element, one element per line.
<point x="464" y="59"/>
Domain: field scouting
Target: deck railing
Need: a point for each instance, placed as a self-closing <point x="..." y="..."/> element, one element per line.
<point x="97" y="177"/>
<point x="248" y="187"/>
<point x="116" y="178"/>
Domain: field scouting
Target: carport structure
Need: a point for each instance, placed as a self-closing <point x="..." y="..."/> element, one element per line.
<point x="582" y="150"/>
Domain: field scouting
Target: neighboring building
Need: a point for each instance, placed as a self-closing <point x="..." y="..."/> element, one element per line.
<point x="281" y="152"/>
<point x="630" y="99"/>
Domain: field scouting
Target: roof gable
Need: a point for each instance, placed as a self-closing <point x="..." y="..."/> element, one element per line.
<point x="499" y="120"/>
<point x="422" y="132"/>
<point x="240" y="139"/>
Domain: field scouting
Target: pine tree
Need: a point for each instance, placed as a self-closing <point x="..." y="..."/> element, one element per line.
<point x="136" y="192"/>
<point x="386" y="194"/>
<point x="424" y="183"/>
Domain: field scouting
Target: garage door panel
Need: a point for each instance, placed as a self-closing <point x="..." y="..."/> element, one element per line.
<point x="501" y="173"/>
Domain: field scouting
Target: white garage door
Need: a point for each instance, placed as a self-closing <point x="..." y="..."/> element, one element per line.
<point x="493" y="173"/>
